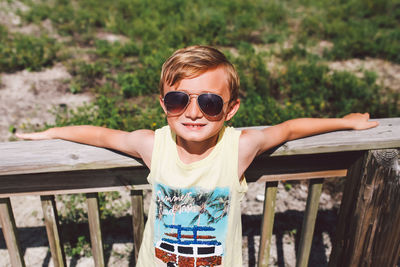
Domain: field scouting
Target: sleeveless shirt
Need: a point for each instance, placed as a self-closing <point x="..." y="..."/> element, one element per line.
<point x="194" y="217"/>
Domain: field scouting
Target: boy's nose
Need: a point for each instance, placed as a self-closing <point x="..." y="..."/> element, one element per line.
<point x="193" y="111"/>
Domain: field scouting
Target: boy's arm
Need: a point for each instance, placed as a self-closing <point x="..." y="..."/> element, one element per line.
<point x="303" y="127"/>
<point x="255" y="142"/>
<point x="137" y="143"/>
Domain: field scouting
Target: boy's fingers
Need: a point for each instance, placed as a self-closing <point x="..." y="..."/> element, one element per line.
<point x="371" y="124"/>
<point x="375" y="123"/>
<point x="19" y="135"/>
<point x="31" y="136"/>
<point x="22" y="135"/>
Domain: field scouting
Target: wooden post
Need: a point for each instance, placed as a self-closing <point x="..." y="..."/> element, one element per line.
<point x="53" y="230"/>
<point x="310" y="216"/>
<point x="271" y="189"/>
<point x="10" y="233"/>
<point x="137" y="219"/>
<point x="95" y="229"/>
<point x="368" y="232"/>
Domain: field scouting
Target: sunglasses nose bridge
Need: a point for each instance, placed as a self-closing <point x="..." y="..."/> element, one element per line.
<point x="193" y="109"/>
<point x="193" y="96"/>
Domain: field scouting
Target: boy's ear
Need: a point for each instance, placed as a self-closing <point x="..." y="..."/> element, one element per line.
<point x="162" y="104"/>
<point x="232" y="109"/>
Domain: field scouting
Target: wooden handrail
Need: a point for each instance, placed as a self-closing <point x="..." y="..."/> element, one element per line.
<point x="61" y="167"/>
<point x="32" y="162"/>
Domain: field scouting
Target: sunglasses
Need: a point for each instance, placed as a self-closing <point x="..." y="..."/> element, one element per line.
<point x="176" y="103"/>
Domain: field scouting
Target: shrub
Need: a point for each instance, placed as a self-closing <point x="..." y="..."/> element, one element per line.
<point x="357" y="28"/>
<point x="18" y="51"/>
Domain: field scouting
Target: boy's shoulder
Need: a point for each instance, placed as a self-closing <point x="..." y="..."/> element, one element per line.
<point x="140" y="143"/>
<point x="250" y="143"/>
<point x="250" y="138"/>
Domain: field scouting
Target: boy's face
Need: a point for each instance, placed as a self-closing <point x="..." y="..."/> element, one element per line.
<point x="192" y="124"/>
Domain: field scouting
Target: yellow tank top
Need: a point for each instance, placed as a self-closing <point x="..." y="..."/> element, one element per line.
<point x="194" y="217"/>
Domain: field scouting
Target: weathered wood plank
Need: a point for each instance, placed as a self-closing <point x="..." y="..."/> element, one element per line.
<point x="79" y="181"/>
<point x="302" y="176"/>
<point x="10" y="233"/>
<point x="267" y="226"/>
<point x="95" y="229"/>
<point x="310" y="216"/>
<point x="53" y="230"/>
<point x="368" y="232"/>
<point x="137" y="220"/>
<point x="80" y="191"/>
<point x="265" y="165"/>
<point x="57" y="156"/>
<point x="83" y="181"/>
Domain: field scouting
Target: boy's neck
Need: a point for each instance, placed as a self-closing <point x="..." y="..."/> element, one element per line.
<point x="190" y="151"/>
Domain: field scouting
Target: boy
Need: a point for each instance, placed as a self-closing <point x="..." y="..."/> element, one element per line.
<point x="196" y="163"/>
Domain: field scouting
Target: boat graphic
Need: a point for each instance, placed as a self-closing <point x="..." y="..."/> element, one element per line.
<point x="189" y="249"/>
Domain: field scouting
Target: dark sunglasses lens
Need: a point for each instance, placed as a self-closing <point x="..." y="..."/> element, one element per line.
<point x="210" y="104"/>
<point x="175" y="102"/>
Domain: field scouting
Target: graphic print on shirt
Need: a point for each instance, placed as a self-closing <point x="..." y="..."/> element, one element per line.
<point x="190" y="226"/>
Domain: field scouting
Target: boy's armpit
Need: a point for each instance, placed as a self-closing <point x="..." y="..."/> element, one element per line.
<point x="256" y="141"/>
<point x="139" y="144"/>
<point x="250" y="144"/>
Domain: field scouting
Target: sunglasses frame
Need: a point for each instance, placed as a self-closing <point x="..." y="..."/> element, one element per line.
<point x="190" y="96"/>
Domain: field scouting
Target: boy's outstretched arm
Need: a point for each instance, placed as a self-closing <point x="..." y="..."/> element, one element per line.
<point x="303" y="127"/>
<point x="255" y="142"/>
<point x="137" y="143"/>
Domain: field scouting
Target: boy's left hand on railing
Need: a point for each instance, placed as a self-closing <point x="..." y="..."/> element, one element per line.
<point x="359" y="121"/>
<point x="33" y="136"/>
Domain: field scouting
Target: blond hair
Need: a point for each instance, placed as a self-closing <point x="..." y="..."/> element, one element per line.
<point x="193" y="61"/>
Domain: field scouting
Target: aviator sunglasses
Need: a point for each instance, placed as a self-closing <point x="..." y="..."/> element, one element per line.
<point x="177" y="101"/>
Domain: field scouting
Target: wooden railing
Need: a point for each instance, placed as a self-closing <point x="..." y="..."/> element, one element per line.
<point x="367" y="234"/>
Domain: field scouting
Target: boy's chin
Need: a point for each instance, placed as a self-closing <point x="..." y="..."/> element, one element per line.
<point x="196" y="135"/>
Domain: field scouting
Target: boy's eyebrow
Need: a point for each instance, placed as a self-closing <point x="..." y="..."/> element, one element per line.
<point x="201" y="92"/>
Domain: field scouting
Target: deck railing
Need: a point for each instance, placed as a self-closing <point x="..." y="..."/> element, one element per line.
<point x="367" y="233"/>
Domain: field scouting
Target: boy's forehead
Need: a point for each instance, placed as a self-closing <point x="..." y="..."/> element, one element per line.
<point x="211" y="80"/>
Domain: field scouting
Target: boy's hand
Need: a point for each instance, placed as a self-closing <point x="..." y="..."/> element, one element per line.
<point x="358" y="121"/>
<point x="34" y="136"/>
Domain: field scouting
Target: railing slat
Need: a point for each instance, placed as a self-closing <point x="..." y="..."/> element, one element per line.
<point x="53" y="230"/>
<point x="271" y="189"/>
<point x="95" y="229"/>
<point x="310" y="216"/>
<point x="10" y="233"/>
<point x="137" y="219"/>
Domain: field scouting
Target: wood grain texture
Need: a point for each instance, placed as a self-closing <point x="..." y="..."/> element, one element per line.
<point x="137" y="220"/>
<point x="72" y="181"/>
<point x="10" y="233"/>
<point x="53" y="230"/>
<point x="368" y="232"/>
<point x="56" y="156"/>
<point x="267" y="225"/>
<point x="96" y="238"/>
<point x="310" y="216"/>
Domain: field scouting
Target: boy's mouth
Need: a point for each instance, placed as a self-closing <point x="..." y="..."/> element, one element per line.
<point x="194" y="125"/>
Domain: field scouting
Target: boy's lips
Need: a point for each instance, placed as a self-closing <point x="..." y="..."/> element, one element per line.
<point x="191" y="125"/>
